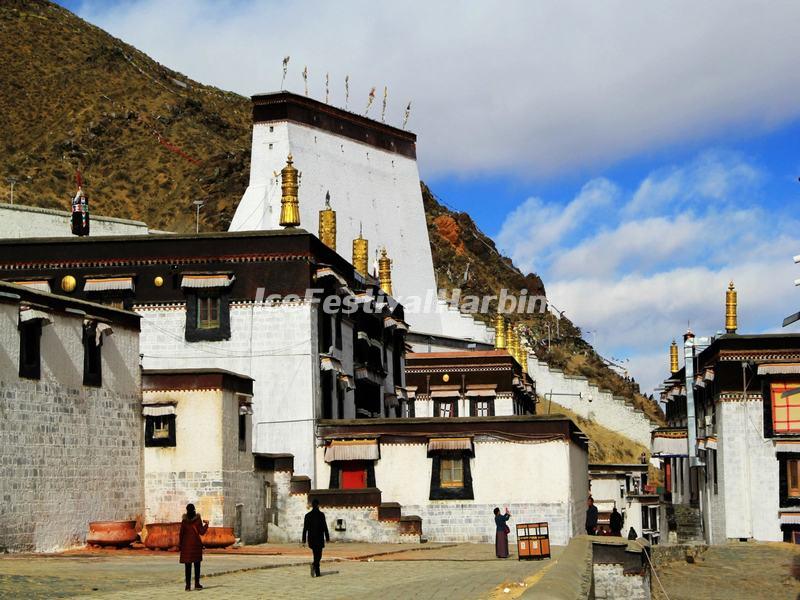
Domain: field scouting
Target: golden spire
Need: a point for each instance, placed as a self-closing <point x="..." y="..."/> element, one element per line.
<point x="730" y="309"/>
<point x="361" y="254"/>
<point x="327" y="224"/>
<point x="673" y="358"/>
<point x="499" y="332"/>
<point x="290" y="207"/>
<point x="385" y="272"/>
<point x="513" y="342"/>
<point x="522" y="355"/>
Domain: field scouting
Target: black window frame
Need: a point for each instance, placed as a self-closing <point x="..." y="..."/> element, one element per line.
<point x="92" y="356"/>
<point x="473" y="406"/>
<point x="242" y="431"/>
<point x="194" y="333"/>
<point x="784" y="501"/>
<point x="149" y="428"/>
<point x="437" y="492"/>
<point x="30" y="345"/>
<point x="437" y="407"/>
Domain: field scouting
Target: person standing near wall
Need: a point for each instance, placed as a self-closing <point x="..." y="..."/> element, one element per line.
<point x="192" y="527"/>
<point x="315" y="529"/>
<point x="591" y="517"/>
<point x="616" y="521"/>
<point x="501" y="534"/>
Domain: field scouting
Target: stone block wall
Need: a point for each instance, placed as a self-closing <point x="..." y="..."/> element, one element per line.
<point x="612" y="583"/>
<point x="69" y="454"/>
<point x="455" y="521"/>
<point x="168" y="493"/>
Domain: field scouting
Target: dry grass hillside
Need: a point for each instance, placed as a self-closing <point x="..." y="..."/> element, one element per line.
<point x="149" y="141"/>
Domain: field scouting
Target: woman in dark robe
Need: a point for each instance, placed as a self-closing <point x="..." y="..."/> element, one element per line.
<point x="501" y="536"/>
<point x="192" y="527"/>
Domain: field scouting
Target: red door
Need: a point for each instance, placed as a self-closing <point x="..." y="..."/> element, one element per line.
<point x="353" y="475"/>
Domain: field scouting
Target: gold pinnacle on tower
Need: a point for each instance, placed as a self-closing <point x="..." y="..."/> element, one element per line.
<point x="360" y="254"/>
<point x="327" y="224"/>
<point x="523" y="353"/>
<point x="290" y="207"/>
<point x="673" y="358"/>
<point x="730" y="309"/>
<point x="513" y="342"/>
<point x="499" y="332"/>
<point x="385" y="272"/>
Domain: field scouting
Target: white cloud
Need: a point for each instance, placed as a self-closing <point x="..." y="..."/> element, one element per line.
<point x="534" y="88"/>
<point x="534" y="227"/>
<point x="638" y="281"/>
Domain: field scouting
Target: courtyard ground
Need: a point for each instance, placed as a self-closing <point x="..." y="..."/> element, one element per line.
<point x="736" y="571"/>
<point x="349" y="571"/>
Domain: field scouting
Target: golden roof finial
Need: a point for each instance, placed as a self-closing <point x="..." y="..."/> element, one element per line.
<point x="361" y="253"/>
<point x="730" y="309"/>
<point x="673" y="357"/>
<point x="385" y="271"/>
<point x="500" y="332"/>
<point x="327" y="224"/>
<point x="522" y="352"/>
<point x="290" y="207"/>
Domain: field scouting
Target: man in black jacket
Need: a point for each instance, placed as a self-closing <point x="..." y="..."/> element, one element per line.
<point x="616" y="521"/>
<point x="591" y="517"/>
<point x="315" y="529"/>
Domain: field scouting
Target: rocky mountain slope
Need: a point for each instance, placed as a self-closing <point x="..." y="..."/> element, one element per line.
<point x="149" y="141"/>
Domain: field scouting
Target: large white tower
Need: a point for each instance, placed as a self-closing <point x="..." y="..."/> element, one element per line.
<point x="370" y="170"/>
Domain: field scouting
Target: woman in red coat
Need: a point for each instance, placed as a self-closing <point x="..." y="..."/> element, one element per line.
<point x="192" y="527"/>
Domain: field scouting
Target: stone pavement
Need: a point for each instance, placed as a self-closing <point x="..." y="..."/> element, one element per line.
<point x="467" y="571"/>
<point x="735" y="571"/>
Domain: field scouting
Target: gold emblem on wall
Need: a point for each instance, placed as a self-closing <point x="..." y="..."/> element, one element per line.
<point x="446" y="377"/>
<point x="68" y="283"/>
<point x="158" y="281"/>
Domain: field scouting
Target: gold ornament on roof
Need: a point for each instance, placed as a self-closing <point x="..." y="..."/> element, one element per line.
<point x="385" y="272"/>
<point x="361" y="254"/>
<point x="327" y="224"/>
<point x="290" y="206"/>
<point x="730" y="309"/>
<point x="673" y="357"/>
<point x="499" y="332"/>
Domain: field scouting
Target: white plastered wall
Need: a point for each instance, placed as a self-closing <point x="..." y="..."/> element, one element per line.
<point x="372" y="191"/>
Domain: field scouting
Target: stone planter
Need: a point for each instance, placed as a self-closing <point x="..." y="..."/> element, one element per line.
<point x="218" y="537"/>
<point x="118" y="534"/>
<point x="162" y="536"/>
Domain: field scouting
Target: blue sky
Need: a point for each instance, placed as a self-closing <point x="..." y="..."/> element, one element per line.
<point x="636" y="155"/>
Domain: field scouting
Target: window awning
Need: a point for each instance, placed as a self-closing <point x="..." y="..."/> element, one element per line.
<point x="328" y="272"/>
<point x="480" y="394"/>
<point x="328" y="363"/>
<point x="790" y="518"/>
<point x="401" y="392"/>
<point x="709" y="375"/>
<point x="348" y="380"/>
<point x="779" y="369"/>
<point x="26" y="313"/>
<point x="352" y="450"/>
<point x="446" y="444"/>
<point x="104" y="284"/>
<point x="445" y="394"/>
<point x="482" y="391"/>
<point x="158" y="410"/>
<point x="390" y="400"/>
<point x="672" y="444"/>
<point x="41" y="285"/>
<point x="389" y="322"/>
<point x="206" y="281"/>
<point x="367" y="374"/>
